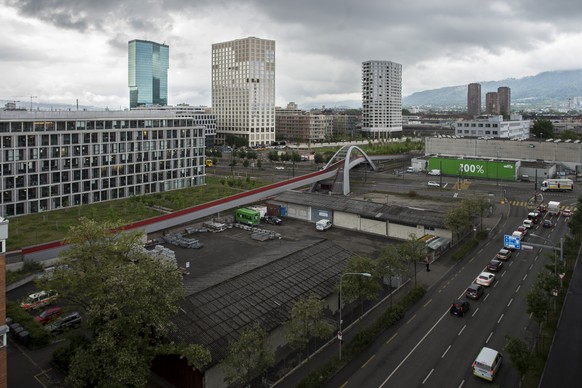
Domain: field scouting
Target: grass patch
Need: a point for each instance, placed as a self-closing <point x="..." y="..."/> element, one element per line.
<point x="50" y="226"/>
<point x="27" y="269"/>
<point x="465" y="248"/>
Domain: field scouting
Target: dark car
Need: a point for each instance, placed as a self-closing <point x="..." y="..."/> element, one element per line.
<point x="273" y="220"/>
<point x="48" y="315"/>
<point x="474" y="291"/>
<point x="495" y="265"/>
<point x="548" y="224"/>
<point x="460" y="307"/>
<point x="69" y="321"/>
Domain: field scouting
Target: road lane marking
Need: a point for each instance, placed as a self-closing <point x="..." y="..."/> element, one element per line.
<point x="480" y="250"/>
<point x="494" y="284"/>
<point x="413" y="349"/>
<point x="426" y="304"/>
<point x="475" y="312"/>
<point x="503" y="273"/>
<point x="366" y="363"/>
<point x="344" y="384"/>
<point x="510" y="263"/>
<point x="391" y="338"/>
<point x="462" y="330"/>
<point x="517" y="289"/>
<point x="500" y="318"/>
<point x="524" y="277"/>
<point x="486" y="296"/>
<point x="536" y="259"/>
<point x="410" y="320"/>
<point x="488" y="338"/>
<point x="509" y="304"/>
<point x="427" y="376"/>
<point x="530" y="267"/>
<point x="462" y="383"/>
<point x="445" y="353"/>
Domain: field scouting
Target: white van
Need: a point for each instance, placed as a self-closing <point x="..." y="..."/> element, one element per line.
<point x="487" y="364"/>
<point x="528" y="223"/>
<point x="323" y="225"/>
<point x="517" y="233"/>
<point x="434" y="172"/>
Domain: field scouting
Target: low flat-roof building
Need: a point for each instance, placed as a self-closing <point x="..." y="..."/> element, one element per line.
<point x="494" y="127"/>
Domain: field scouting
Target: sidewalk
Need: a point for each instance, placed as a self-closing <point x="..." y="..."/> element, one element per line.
<point x="438" y="270"/>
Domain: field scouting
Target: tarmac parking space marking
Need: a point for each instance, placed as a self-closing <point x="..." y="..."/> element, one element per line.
<point x="366" y="363"/>
<point x="391" y="338"/>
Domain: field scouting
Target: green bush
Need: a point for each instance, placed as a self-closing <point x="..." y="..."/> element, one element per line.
<point x="465" y="248"/>
<point x="28" y="268"/>
<point x="62" y="356"/>
<point x="319" y="376"/>
<point x="39" y="337"/>
<point x="482" y="235"/>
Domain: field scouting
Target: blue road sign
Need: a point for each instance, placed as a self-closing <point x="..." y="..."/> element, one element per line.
<point x="511" y="242"/>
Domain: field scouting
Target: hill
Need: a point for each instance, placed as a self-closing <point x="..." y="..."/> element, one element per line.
<point x="548" y="89"/>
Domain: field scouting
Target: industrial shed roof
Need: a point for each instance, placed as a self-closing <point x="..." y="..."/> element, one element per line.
<point x="376" y="211"/>
<point x="217" y="315"/>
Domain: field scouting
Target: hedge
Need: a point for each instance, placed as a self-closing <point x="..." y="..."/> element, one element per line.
<point x="39" y="337"/>
<point x="465" y="248"/>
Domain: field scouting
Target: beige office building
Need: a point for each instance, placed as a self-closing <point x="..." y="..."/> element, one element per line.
<point x="243" y="90"/>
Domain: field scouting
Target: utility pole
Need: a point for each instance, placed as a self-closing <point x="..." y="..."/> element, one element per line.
<point x="31" y="97"/>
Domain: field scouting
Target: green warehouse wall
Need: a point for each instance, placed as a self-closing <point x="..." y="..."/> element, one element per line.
<point x="470" y="168"/>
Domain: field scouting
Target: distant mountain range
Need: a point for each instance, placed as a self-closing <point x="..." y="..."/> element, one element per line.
<point x="548" y="89"/>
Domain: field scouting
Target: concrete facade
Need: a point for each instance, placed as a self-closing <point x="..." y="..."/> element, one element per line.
<point x="474" y="99"/>
<point x="494" y="127"/>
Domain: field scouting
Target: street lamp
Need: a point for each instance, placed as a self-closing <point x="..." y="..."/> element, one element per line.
<point x="339" y="333"/>
<point x="553" y="247"/>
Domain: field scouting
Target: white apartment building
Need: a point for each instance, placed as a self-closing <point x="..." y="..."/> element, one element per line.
<point x="243" y="90"/>
<point x="58" y="159"/>
<point x="494" y="127"/>
<point x="381" y="98"/>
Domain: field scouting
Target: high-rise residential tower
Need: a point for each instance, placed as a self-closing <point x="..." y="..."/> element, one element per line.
<point x="243" y="90"/>
<point x="148" y="73"/>
<point x="474" y="99"/>
<point x="504" y="94"/>
<point x="381" y="98"/>
<point x="492" y="103"/>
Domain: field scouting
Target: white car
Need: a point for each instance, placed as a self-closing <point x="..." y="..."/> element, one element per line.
<point x="323" y="225"/>
<point x="485" y="279"/>
<point x="279" y="168"/>
<point x="433" y="184"/>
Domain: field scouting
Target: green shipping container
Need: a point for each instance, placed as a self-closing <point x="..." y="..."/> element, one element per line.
<point x="470" y="168"/>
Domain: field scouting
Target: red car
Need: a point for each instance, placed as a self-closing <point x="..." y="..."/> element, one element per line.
<point x="48" y="315"/>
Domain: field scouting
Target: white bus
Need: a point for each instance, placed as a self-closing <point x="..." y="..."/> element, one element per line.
<point x="558" y="185"/>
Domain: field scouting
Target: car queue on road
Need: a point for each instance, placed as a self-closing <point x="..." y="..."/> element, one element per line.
<point x="487" y="278"/>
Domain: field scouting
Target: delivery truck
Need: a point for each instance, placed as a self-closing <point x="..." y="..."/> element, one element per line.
<point x="553" y="208"/>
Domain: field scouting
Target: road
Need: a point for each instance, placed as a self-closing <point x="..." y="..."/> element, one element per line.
<point x="435" y="349"/>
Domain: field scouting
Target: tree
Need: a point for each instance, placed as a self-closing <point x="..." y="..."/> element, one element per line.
<point x="538" y="299"/>
<point x="412" y="251"/>
<point x="519" y="353"/>
<point x="273" y="156"/>
<point x="318" y="158"/>
<point x="295" y="157"/>
<point x="356" y="287"/>
<point x="390" y="265"/>
<point x="248" y="356"/>
<point x="246" y="163"/>
<point x="543" y="129"/>
<point x="569" y="134"/>
<point x="456" y="220"/>
<point x="575" y="223"/>
<point x="236" y="141"/>
<point x="476" y="206"/>
<point x="128" y="298"/>
<point x="307" y="322"/>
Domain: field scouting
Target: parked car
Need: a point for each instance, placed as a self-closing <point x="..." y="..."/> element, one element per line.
<point x="38" y="300"/>
<point x="495" y="265"/>
<point x="503" y="254"/>
<point x="273" y="220"/>
<point x="548" y="224"/>
<point x="460" y="307"/>
<point x="485" y="279"/>
<point x="64" y="323"/>
<point x="566" y="212"/>
<point x="433" y="184"/>
<point x="48" y="315"/>
<point x="474" y="291"/>
<point x="323" y="225"/>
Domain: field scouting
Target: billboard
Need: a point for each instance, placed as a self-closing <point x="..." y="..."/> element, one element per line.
<point x="473" y="168"/>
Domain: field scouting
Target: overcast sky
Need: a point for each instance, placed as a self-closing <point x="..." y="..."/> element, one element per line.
<point x="64" y="50"/>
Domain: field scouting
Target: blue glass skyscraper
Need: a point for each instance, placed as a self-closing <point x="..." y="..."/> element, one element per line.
<point x="148" y="73"/>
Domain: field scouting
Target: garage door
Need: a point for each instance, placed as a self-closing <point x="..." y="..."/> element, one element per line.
<point x="298" y="211"/>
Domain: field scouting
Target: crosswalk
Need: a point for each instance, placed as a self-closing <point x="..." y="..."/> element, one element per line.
<point x="525" y="204"/>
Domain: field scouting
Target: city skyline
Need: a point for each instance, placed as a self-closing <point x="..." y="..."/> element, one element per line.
<point x="67" y="51"/>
